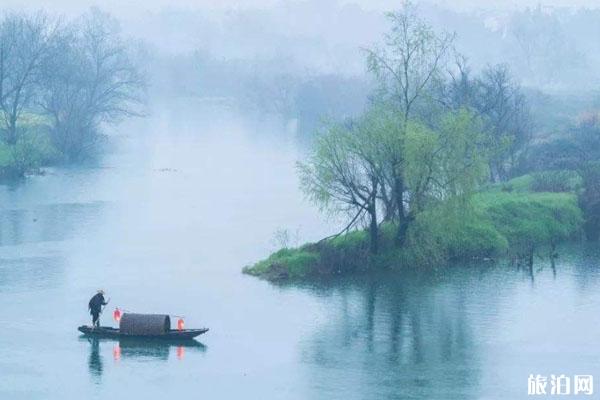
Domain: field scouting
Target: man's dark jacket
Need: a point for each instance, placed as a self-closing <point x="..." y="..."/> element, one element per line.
<point x="96" y="303"/>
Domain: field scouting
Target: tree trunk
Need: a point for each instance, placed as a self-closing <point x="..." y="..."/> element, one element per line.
<point x="372" y="210"/>
<point x="530" y="261"/>
<point x="403" y="229"/>
<point x="12" y="130"/>
<point x="402" y="220"/>
<point x="373" y="228"/>
<point x="389" y="207"/>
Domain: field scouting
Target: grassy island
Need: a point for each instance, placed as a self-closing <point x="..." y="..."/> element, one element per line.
<point x="505" y="221"/>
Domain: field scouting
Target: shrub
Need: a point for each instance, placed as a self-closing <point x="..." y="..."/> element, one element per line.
<point x="286" y="264"/>
<point x="28" y="154"/>
<point x="519" y="184"/>
<point x="555" y="181"/>
<point x="345" y="253"/>
<point x="527" y="220"/>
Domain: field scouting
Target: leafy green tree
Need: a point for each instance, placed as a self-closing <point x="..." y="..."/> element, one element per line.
<point x="344" y="173"/>
<point x="444" y="164"/>
<point x="349" y="170"/>
<point x="406" y="66"/>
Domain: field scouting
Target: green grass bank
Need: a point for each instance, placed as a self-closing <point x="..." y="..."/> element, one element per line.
<point x="514" y="220"/>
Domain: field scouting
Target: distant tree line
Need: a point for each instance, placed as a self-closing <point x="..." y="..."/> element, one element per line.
<point x="59" y="82"/>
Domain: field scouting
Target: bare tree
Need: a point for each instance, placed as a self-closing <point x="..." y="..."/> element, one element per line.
<point x="494" y="97"/>
<point x="24" y="48"/>
<point x="505" y="113"/>
<point x="94" y="81"/>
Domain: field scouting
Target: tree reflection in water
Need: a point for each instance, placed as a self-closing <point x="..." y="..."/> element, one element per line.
<point x="411" y="330"/>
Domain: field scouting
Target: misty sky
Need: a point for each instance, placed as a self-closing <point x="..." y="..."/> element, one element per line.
<point x="131" y="7"/>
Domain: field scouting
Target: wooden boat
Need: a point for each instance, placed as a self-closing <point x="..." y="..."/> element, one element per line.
<point x="142" y="326"/>
<point x="115" y="333"/>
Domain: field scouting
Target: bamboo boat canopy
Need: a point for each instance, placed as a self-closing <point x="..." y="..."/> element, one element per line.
<point x="145" y="324"/>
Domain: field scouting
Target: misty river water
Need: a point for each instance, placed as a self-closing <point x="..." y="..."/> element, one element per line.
<point x="165" y="224"/>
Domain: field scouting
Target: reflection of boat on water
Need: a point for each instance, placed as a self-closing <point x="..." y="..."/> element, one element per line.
<point x="158" y="349"/>
<point x="115" y="333"/>
<point x="135" y="342"/>
<point x="144" y="348"/>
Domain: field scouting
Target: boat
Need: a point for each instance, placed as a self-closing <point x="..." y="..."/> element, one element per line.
<point x="143" y="326"/>
<point x="115" y="333"/>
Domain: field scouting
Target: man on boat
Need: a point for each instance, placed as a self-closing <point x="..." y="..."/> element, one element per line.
<point x="95" y="307"/>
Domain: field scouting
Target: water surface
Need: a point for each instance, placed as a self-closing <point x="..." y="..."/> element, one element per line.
<point x="190" y="196"/>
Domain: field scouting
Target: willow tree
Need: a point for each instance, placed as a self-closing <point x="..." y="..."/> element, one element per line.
<point x="344" y="173"/>
<point x="349" y="169"/>
<point x="447" y="163"/>
<point x="440" y="165"/>
<point x="411" y="59"/>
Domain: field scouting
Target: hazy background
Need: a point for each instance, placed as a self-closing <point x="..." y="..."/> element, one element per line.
<point x="302" y="60"/>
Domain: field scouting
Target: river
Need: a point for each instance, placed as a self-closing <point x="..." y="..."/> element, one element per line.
<point x="165" y="223"/>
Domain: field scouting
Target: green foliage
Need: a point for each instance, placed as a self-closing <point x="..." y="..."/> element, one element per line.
<point x="529" y="220"/>
<point x="350" y="240"/>
<point x="555" y="181"/>
<point x="518" y="184"/>
<point x="452" y="232"/>
<point x="354" y="163"/>
<point x="447" y="162"/>
<point x="335" y="172"/>
<point x="544" y="181"/>
<point x="286" y="264"/>
<point x="589" y="199"/>
<point x="492" y="224"/>
<point x="32" y="149"/>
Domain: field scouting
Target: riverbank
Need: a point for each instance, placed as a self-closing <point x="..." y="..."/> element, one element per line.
<point x="516" y="220"/>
